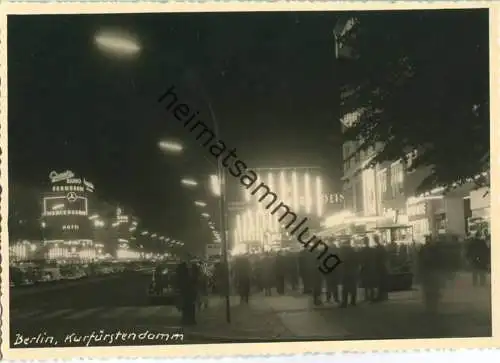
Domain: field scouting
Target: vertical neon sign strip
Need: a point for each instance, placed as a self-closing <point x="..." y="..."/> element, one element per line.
<point x="251" y="223"/>
<point x="238" y="229"/>
<point x="283" y="191"/>
<point x="319" y="194"/>
<point x="307" y="191"/>
<point x="295" y="191"/>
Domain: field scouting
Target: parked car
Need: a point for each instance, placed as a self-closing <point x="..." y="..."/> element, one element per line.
<point x="72" y="272"/>
<point x="162" y="289"/>
<point x="50" y="274"/>
<point x="19" y="277"/>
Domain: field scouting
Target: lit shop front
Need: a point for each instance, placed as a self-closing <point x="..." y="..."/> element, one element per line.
<point x="480" y="219"/>
<point x="435" y="215"/>
<point x="301" y="189"/>
<point x="66" y="229"/>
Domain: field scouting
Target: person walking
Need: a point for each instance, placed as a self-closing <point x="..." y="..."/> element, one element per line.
<point x="430" y="263"/>
<point x="243" y="276"/>
<point x="478" y="255"/>
<point x="304" y="272"/>
<point x="280" y="271"/>
<point x="332" y="279"/>
<point x="368" y="271"/>
<point x="381" y="270"/>
<point x="188" y="283"/>
<point x="349" y="274"/>
<point x="293" y="271"/>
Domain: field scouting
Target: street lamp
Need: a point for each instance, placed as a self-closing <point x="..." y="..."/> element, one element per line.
<point x="117" y="43"/>
<point x="170" y="146"/>
<point x="215" y="185"/>
<point x="206" y="215"/>
<point x="189" y="182"/>
<point x="199" y="203"/>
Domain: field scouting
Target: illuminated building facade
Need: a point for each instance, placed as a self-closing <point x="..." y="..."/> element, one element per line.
<point x="390" y="189"/>
<point x="66" y="228"/>
<point x="302" y="189"/>
<point x="125" y="226"/>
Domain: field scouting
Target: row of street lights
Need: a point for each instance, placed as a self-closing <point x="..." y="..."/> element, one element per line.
<point x="121" y="44"/>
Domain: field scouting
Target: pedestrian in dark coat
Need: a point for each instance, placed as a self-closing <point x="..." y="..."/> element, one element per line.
<point x="187" y="275"/>
<point x="381" y="270"/>
<point x="349" y="274"/>
<point x="332" y="279"/>
<point x="368" y="270"/>
<point x="243" y="273"/>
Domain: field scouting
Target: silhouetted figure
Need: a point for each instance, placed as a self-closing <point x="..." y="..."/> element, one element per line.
<point x="280" y="271"/>
<point x="315" y="277"/>
<point x="187" y="275"/>
<point x="293" y="270"/>
<point x="381" y="270"/>
<point x="304" y="271"/>
<point x="159" y="279"/>
<point x="269" y="280"/>
<point x="478" y="255"/>
<point x="349" y="274"/>
<point x="243" y="272"/>
<point x="431" y="271"/>
<point x="368" y="270"/>
<point x="332" y="279"/>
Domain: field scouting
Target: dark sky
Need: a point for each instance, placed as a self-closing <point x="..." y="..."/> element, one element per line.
<point x="269" y="76"/>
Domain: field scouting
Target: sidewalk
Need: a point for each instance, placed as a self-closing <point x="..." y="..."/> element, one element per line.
<point x="465" y="311"/>
<point x="255" y="322"/>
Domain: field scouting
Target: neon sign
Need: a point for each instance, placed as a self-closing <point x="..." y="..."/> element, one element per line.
<point x="70" y="227"/>
<point x="69" y="177"/>
<point x="55" y="177"/>
<point x="69" y="204"/>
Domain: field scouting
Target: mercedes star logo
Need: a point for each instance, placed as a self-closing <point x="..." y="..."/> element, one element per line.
<point x="71" y="197"/>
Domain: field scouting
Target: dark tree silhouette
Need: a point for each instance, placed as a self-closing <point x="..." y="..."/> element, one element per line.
<point x="422" y="81"/>
<point x="24" y="213"/>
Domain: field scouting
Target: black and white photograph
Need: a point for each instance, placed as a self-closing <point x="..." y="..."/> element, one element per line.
<point x="180" y="178"/>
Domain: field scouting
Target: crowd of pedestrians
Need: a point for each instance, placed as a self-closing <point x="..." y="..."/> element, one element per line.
<point x="369" y="265"/>
<point x="278" y="272"/>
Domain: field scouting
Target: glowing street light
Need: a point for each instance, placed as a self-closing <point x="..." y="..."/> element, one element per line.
<point x="189" y="182"/>
<point x="170" y="146"/>
<point x="199" y="203"/>
<point x="215" y="186"/>
<point x="117" y="43"/>
<point x="206" y="215"/>
<point x="43" y="224"/>
<point x="98" y="223"/>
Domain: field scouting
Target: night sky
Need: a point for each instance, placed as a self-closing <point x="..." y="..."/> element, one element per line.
<point x="269" y="76"/>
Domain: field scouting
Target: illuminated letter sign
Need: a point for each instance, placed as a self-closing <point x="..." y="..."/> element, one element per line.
<point x="89" y="185"/>
<point x="56" y="177"/>
<point x="74" y="181"/>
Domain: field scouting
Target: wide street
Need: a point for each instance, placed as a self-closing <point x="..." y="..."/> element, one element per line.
<point x="108" y="303"/>
<point x="118" y="304"/>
